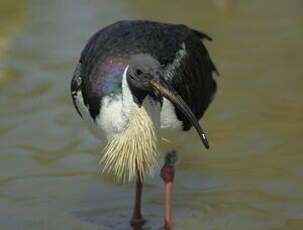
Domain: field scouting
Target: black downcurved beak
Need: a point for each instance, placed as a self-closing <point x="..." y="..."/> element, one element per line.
<point x="167" y="91"/>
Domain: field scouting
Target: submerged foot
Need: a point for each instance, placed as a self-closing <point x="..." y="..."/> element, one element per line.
<point x="137" y="223"/>
<point x="168" y="225"/>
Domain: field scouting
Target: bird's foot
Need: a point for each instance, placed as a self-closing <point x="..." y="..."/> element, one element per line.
<point x="137" y="223"/>
<point x="168" y="225"/>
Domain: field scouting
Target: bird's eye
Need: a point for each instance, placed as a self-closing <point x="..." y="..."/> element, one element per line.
<point x="138" y="72"/>
<point x="131" y="76"/>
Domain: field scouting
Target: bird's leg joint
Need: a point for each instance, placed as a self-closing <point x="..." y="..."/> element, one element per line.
<point x="168" y="171"/>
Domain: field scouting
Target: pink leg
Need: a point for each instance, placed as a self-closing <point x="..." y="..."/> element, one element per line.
<point x="168" y="174"/>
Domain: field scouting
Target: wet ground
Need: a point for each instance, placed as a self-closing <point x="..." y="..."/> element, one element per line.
<point x="250" y="179"/>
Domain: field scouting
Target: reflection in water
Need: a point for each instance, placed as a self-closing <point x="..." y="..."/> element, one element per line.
<point x="250" y="179"/>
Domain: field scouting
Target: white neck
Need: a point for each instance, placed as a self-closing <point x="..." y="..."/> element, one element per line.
<point x="127" y="98"/>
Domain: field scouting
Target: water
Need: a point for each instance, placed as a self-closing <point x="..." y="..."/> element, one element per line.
<point x="250" y="179"/>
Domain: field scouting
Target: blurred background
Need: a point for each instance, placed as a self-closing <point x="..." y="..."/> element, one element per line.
<point x="250" y="179"/>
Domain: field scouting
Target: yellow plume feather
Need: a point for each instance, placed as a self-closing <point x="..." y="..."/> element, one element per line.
<point x="134" y="151"/>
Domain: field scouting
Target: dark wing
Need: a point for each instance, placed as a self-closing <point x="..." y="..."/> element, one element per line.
<point x="76" y="86"/>
<point x="192" y="75"/>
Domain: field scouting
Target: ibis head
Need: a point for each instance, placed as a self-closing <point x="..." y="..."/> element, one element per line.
<point x="145" y="76"/>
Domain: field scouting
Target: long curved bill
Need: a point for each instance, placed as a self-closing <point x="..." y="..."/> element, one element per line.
<point x="167" y="91"/>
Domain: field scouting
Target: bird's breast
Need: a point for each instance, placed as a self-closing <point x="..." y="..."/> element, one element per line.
<point x="169" y="118"/>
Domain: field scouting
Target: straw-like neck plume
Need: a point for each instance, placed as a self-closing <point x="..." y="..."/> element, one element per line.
<point x="133" y="151"/>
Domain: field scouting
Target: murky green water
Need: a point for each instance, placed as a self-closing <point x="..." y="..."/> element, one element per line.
<point x="250" y="179"/>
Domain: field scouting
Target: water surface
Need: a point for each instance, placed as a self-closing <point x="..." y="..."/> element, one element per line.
<point x="250" y="179"/>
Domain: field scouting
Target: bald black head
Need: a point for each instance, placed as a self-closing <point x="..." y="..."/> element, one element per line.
<point x="142" y="69"/>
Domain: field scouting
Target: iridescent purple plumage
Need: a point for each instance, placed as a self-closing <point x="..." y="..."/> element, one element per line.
<point x="109" y="77"/>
